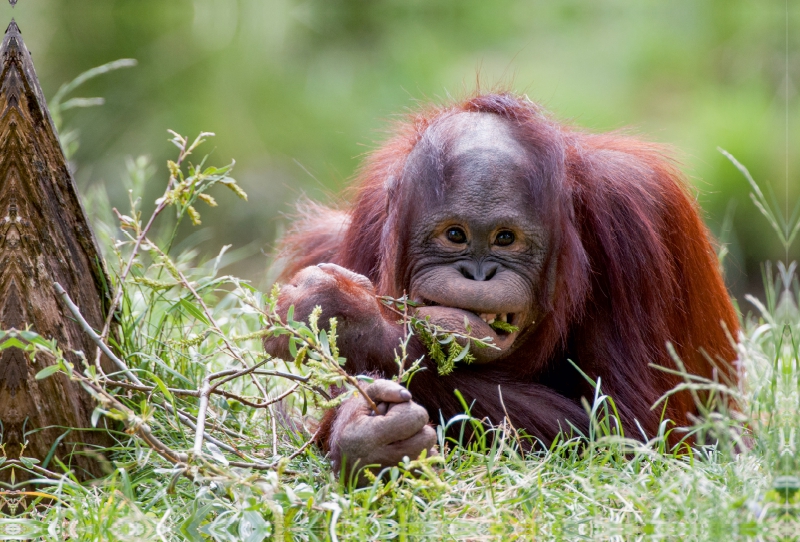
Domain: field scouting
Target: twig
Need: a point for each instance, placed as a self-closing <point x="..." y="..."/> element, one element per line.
<point x="137" y="245"/>
<point x="196" y="393"/>
<point x="205" y="391"/>
<point x="387" y="301"/>
<point x="281" y="374"/>
<point x="353" y="381"/>
<point x="273" y="423"/>
<point x="274" y="464"/>
<point x="76" y="312"/>
<point x="302" y="379"/>
<point x="231" y="374"/>
<point x="37" y="469"/>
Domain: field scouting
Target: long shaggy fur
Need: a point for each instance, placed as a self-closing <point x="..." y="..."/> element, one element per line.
<point x="636" y="269"/>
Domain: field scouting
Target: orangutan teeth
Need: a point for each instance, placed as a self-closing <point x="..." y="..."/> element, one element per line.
<point x="503" y="317"/>
<point x="488" y="318"/>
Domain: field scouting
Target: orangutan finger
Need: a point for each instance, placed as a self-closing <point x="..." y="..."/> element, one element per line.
<point x="402" y="421"/>
<point x="413" y="446"/>
<point x="388" y="391"/>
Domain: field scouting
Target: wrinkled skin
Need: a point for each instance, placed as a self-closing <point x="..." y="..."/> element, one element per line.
<point x="499" y="267"/>
<point x="479" y="251"/>
<point x="400" y="429"/>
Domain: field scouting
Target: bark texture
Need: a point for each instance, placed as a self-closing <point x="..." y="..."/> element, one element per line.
<point x="45" y="237"/>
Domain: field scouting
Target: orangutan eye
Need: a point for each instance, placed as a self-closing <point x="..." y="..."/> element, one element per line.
<point x="504" y="238"/>
<point x="456" y="235"/>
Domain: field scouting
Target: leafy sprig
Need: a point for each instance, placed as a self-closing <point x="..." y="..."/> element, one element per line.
<point x="503" y="326"/>
<point x="445" y="347"/>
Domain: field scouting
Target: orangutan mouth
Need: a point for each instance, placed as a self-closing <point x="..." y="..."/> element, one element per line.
<point x="493" y="319"/>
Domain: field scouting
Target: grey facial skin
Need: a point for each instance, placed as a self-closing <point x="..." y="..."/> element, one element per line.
<point x="479" y="252"/>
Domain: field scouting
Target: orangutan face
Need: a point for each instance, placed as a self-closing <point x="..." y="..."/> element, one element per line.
<point x="479" y="254"/>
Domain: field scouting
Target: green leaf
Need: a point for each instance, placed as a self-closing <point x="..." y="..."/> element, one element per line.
<point x="323" y="343"/>
<point x="116" y="414"/>
<point x="47" y="371"/>
<point x="28" y="335"/>
<point x="194" y="311"/>
<point x="162" y="387"/>
<point x="463" y="353"/>
<point x="96" y="413"/>
<point x="216" y="453"/>
<point x="13" y="342"/>
<point x="307" y="333"/>
<point x="28" y="461"/>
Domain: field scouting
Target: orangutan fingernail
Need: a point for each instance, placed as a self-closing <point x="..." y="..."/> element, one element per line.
<point x="405" y="395"/>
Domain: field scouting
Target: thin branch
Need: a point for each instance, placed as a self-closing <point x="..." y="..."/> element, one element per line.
<point x="37" y="469"/>
<point x="76" y="312"/>
<point x="274" y="464"/>
<point x="196" y="393"/>
<point x="121" y="280"/>
<point x="236" y="373"/>
<point x="288" y="376"/>
<point x="205" y="391"/>
<point x="274" y="427"/>
<point x="409" y="320"/>
<point x="160" y="206"/>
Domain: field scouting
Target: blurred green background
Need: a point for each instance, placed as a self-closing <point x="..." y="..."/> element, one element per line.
<point x="298" y="90"/>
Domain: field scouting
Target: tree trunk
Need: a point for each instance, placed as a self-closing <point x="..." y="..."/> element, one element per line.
<point x="45" y="237"/>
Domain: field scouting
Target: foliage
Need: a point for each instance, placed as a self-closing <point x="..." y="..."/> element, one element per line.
<point x="189" y="339"/>
<point x="435" y="338"/>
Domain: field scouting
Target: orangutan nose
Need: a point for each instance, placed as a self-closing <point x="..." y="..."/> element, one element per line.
<point x="478" y="270"/>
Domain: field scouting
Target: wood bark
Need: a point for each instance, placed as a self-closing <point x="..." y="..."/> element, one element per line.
<point x="45" y="237"/>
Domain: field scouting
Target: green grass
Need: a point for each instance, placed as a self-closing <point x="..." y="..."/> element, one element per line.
<point x="181" y="320"/>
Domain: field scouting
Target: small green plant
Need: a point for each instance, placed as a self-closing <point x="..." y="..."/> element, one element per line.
<point x="435" y="338"/>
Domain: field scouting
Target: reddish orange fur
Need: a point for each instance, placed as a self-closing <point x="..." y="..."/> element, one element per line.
<point x="636" y="269"/>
